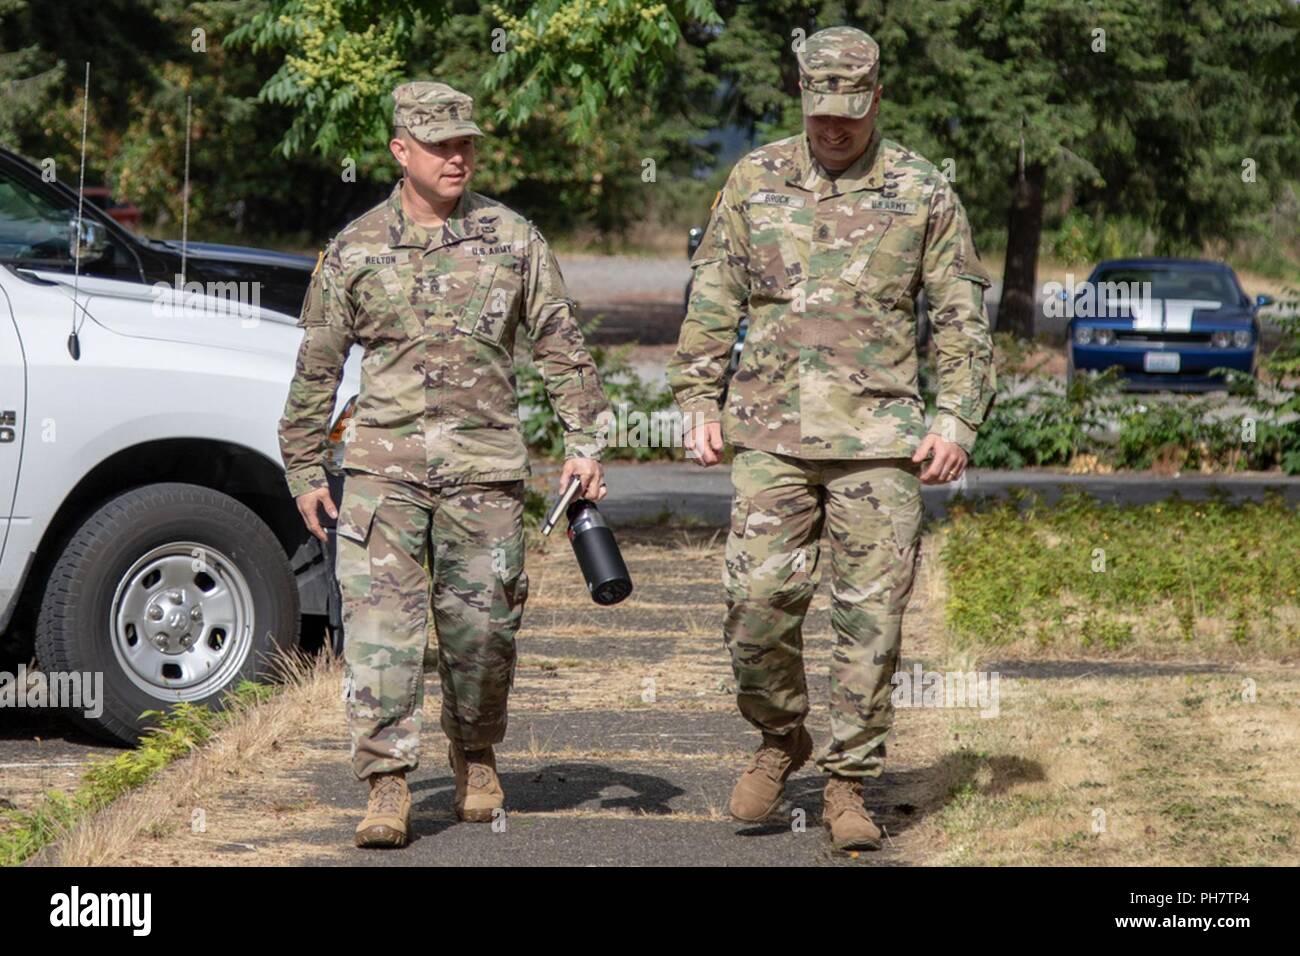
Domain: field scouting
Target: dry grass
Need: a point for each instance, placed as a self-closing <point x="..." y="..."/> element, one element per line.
<point x="177" y="800"/>
<point x="1184" y="770"/>
<point x="1170" y="770"/>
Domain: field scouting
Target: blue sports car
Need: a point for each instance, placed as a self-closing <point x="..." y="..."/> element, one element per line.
<point x="1167" y="323"/>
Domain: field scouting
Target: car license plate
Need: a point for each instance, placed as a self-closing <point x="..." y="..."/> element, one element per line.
<point x="1161" y="362"/>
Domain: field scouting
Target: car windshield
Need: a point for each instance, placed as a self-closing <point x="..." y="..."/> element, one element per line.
<point x="31" y="227"/>
<point x="1175" y="283"/>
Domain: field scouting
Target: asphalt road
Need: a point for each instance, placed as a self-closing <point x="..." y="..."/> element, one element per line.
<point x="646" y="492"/>
<point x="641" y="299"/>
<point x="39" y="752"/>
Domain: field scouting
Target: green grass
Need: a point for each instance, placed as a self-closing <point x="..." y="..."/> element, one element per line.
<point x="1101" y="578"/>
<point x="178" y="732"/>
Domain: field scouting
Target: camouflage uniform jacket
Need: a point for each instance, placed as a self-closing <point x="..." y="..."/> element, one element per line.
<point x="829" y="271"/>
<point x="436" y="312"/>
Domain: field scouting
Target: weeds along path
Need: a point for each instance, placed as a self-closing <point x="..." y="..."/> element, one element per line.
<point x="624" y="743"/>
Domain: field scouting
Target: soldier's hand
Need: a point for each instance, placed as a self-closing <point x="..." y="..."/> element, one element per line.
<point x="948" y="463"/>
<point x="705" y="440"/>
<point x="307" y="505"/>
<point x="590" y="472"/>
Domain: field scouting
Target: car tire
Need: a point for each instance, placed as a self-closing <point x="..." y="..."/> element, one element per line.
<point x="173" y="592"/>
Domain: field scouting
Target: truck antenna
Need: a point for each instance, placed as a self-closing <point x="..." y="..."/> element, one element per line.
<point x="74" y="342"/>
<point x="185" y="193"/>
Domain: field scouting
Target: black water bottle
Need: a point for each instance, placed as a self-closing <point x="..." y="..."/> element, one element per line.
<point x="597" y="552"/>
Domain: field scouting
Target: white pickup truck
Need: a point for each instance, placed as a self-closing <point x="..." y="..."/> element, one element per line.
<point x="146" y="530"/>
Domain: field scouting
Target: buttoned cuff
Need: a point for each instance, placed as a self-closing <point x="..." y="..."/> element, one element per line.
<point x="583" y="444"/>
<point x="951" y="428"/>
<point x="306" y="479"/>
<point x="700" y="411"/>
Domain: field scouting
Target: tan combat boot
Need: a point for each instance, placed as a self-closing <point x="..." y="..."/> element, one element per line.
<point x="478" y="791"/>
<point x="844" y="815"/>
<point x="760" y="788"/>
<point x="388" y="814"/>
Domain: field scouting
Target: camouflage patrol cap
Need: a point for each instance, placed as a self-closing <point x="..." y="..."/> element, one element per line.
<point x="837" y="72"/>
<point x="434" y="112"/>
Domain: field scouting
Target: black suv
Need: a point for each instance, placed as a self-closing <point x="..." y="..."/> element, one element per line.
<point x="38" y="219"/>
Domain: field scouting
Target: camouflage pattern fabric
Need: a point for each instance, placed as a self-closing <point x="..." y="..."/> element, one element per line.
<point x="872" y="513"/>
<point x="837" y="72"/>
<point x="433" y="112"/>
<point x="472" y="536"/>
<point x="828" y="271"/>
<point x="437" y="313"/>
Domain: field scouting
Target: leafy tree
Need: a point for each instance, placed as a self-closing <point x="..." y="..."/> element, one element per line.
<point x="343" y="57"/>
<point x="1125" y="108"/>
<point x="1129" y="110"/>
<point x="27" y="76"/>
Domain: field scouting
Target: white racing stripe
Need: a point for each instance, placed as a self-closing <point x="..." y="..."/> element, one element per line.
<point x="1148" y="313"/>
<point x="1178" y="312"/>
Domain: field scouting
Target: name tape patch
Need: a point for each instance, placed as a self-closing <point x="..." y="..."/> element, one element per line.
<point x="497" y="250"/>
<point x="906" y="207"/>
<point x="777" y="199"/>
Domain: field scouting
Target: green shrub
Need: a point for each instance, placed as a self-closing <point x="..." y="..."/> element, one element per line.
<point x="1183" y="430"/>
<point x="1044" y="425"/>
<point x="1096" y="576"/>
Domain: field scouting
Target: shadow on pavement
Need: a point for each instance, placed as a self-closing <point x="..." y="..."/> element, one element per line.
<point x="939" y="783"/>
<point x="566" y="786"/>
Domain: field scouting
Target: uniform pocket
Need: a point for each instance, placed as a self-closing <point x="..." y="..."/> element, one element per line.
<point x="775" y="270"/>
<point x="739" y="516"/>
<point x="906" y="523"/>
<point x="885" y="259"/>
<point x="352" y="555"/>
<point x="398" y="299"/>
<point x="979" y="282"/>
<point x="492" y="305"/>
<point x="357" y="511"/>
<point x="872" y="229"/>
<point x="979" y="390"/>
<point x="775" y="265"/>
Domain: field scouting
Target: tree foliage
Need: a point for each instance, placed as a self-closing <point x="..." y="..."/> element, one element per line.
<point x="1179" y="131"/>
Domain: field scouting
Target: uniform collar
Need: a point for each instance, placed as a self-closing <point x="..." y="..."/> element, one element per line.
<point x="867" y="171"/>
<point x="404" y="231"/>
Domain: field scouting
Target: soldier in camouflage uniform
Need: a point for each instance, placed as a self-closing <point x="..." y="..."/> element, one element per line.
<point x="826" y="239"/>
<point x="434" y="284"/>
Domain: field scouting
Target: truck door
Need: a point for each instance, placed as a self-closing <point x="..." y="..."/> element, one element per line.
<point x="13" y="388"/>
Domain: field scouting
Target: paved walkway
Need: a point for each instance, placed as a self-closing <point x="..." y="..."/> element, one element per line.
<point x="644" y="492"/>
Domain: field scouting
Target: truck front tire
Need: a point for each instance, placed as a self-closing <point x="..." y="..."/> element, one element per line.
<point x="172" y="592"/>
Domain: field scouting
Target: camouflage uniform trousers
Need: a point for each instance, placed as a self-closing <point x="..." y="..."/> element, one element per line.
<point x="872" y="511"/>
<point x="472" y="538"/>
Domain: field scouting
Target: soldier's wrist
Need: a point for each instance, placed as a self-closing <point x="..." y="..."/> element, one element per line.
<point x="700" y="411"/>
<point x="583" y="445"/>
<point x="952" y="429"/>
<point x="305" y="480"/>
